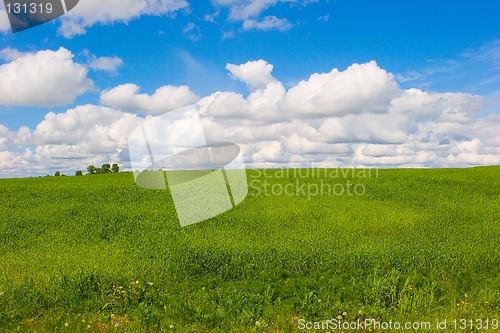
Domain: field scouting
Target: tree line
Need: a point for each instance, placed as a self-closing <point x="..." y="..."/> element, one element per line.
<point x="92" y="170"/>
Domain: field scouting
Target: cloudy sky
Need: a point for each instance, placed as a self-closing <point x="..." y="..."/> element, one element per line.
<point x="293" y="82"/>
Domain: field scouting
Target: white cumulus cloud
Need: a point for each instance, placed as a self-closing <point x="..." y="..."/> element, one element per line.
<point x="9" y="54"/>
<point x="44" y="78"/>
<point x="268" y="23"/>
<point x="126" y="97"/>
<point x="361" y="88"/>
<point x="249" y="12"/>
<point x="69" y="141"/>
<point x="354" y="117"/>
<point x="256" y="74"/>
<point x="90" y="12"/>
<point x="106" y="64"/>
<point x="241" y="10"/>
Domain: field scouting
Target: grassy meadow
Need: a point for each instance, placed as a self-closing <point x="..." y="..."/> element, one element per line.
<point x="98" y="254"/>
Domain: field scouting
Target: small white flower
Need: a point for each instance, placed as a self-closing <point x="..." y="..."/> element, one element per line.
<point x="339" y="317"/>
<point x="319" y="300"/>
<point x="2" y="293"/>
<point x="66" y="324"/>
<point x="360" y="311"/>
<point x="257" y="323"/>
<point x="150" y="283"/>
<point x="344" y="313"/>
<point x="117" y="324"/>
<point x="112" y="315"/>
<point x="171" y="326"/>
<point x="88" y="326"/>
<point x="203" y="288"/>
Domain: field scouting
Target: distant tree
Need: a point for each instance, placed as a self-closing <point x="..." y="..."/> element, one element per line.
<point x="91" y="170"/>
<point x="106" y="168"/>
<point x="115" y="168"/>
<point x="63" y="175"/>
<point x="57" y="174"/>
<point x="99" y="171"/>
<point x="79" y="173"/>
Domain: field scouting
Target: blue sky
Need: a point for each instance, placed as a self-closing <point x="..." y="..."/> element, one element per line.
<point x="434" y="46"/>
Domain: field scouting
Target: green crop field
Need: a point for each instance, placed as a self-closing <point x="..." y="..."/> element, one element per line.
<point x="98" y="254"/>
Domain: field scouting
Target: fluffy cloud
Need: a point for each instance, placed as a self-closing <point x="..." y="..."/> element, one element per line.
<point x="17" y="164"/>
<point x="9" y="54"/>
<point x="96" y="129"/>
<point x="355" y="117"/>
<point x="192" y="31"/>
<point x="379" y="128"/>
<point x="242" y="10"/>
<point x="167" y="98"/>
<point x="44" y="78"/>
<point x="445" y="107"/>
<point x="256" y="74"/>
<point x="5" y="135"/>
<point x="106" y="64"/>
<point x="69" y="141"/>
<point x="91" y="12"/>
<point x="268" y="23"/>
<point x="249" y="12"/>
<point x="362" y="88"/>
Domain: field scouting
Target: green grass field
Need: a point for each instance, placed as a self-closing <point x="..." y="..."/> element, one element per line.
<point x="99" y="254"/>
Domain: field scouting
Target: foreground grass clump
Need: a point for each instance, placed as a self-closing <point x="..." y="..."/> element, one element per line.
<point x="98" y="254"/>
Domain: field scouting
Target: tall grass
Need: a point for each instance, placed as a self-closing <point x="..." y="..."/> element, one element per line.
<point x="98" y="254"/>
